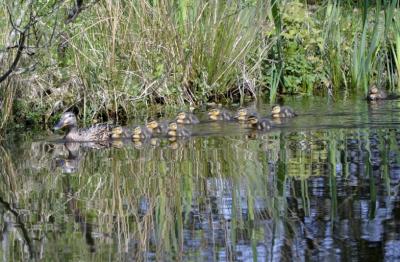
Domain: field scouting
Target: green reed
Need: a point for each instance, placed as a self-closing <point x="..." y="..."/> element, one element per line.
<point x="175" y="51"/>
<point x="395" y="43"/>
<point x="366" y="48"/>
<point x="277" y="75"/>
<point x="333" y="38"/>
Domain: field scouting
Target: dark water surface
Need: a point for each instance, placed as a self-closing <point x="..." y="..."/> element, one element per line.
<point x="321" y="187"/>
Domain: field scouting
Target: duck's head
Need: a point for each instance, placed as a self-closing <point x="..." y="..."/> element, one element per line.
<point x="116" y="132"/>
<point x="214" y="113"/>
<point x="137" y="133"/>
<point x="67" y="119"/>
<point x="276" y="109"/>
<point x="253" y="120"/>
<point x="242" y="112"/>
<point x="137" y="130"/>
<point x="181" y="116"/>
<point x="153" y="124"/>
<point x="373" y="90"/>
<point x="173" y="126"/>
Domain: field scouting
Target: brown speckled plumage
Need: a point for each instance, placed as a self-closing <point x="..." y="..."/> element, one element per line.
<point x="99" y="132"/>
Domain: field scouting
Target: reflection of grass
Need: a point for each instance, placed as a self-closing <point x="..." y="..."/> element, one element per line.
<point x="142" y="201"/>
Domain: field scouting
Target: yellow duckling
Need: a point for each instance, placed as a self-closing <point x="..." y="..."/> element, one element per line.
<point x="175" y="131"/>
<point x="217" y="114"/>
<point x="99" y="132"/>
<point x="242" y="114"/>
<point x="259" y="123"/>
<point x="375" y="94"/>
<point x="140" y="133"/>
<point x="282" y="111"/>
<point x="120" y="132"/>
<point x="156" y="127"/>
<point x="186" y="118"/>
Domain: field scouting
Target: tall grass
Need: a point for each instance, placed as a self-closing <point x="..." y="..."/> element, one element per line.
<point x="393" y="20"/>
<point x="366" y="48"/>
<point x="277" y="74"/>
<point x="174" y="51"/>
<point x="333" y="39"/>
<point x="123" y="56"/>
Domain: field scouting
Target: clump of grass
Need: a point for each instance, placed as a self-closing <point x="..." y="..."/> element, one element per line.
<point x="158" y="51"/>
<point x="393" y="25"/>
<point x="333" y="38"/>
<point x="366" y="50"/>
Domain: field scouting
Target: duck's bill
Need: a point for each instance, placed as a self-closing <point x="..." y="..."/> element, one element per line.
<point x="59" y="125"/>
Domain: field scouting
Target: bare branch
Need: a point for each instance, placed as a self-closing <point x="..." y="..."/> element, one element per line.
<point x="17" y="57"/>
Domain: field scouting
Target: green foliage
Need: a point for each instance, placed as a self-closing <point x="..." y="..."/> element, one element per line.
<point x="333" y="51"/>
<point x="121" y="56"/>
<point x="164" y="50"/>
<point x="303" y="44"/>
<point x="365" y="52"/>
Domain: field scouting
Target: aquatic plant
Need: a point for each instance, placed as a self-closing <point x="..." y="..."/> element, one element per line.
<point x="366" y="49"/>
<point x="333" y="39"/>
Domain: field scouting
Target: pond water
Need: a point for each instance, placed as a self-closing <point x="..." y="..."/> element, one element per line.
<point x="322" y="186"/>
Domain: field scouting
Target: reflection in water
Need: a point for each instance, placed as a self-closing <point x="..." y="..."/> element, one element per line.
<point x="298" y="192"/>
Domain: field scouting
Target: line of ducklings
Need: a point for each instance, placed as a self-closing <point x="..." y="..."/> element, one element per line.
<point x="172" y="129"/>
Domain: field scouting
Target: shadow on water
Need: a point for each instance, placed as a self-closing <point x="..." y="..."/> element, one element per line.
<point x="322" y="186"/>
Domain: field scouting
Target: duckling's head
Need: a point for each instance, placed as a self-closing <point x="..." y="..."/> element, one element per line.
<point x="67" y="119"/>
<point x="373" y="90"/>
<point x="116" y="132"/>
<point x="253" y="120"/>
<point x="153" y="124"/>
<point x="137" y="130"/>
<point x="137" y="133"/>
<point x="214" y="112"/>
<point x="276" y="109"/>
<point x="173" y="126"/>
<point x="242" y="112"/>
<point x="181" y="116"/>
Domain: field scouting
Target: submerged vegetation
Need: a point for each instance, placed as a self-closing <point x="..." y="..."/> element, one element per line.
<point x="107" y="59"/>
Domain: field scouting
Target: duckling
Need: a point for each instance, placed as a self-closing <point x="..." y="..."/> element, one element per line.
<point x="242" y="114"/>
<point x="186" y="118"/>
<point x="120" y="132"/>
<point x="259" y="123"/>
<point x="175" y="131"/>
<point x="217" y="114"/>
<point x="141" y="133"/>
<point x="156" y="127"/>
<point x="375" y="94"/>
<point x="99" y="132"/>
<point x="282" y="111"/>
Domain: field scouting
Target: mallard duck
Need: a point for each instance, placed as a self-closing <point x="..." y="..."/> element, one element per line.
<point x="282" y="111"/>
<point x="217" y="114"/>
<point x="242" y="114"/>
<point x="186" y="118"/>
<point x="99" y="132"/>
<point x="259" y="123"/>
<point x="176" y="131"/>
<point x="141" y="133"/>
<point x="156" y="127"/>
<point x="120" y="132"/>
<point x="375" y="94"/>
